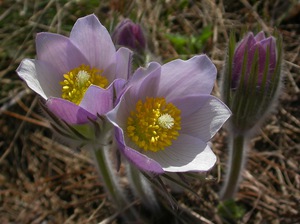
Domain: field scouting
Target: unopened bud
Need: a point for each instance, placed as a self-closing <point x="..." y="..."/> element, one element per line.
<point x="251" y="79"/>
<point x="129" y="34"/>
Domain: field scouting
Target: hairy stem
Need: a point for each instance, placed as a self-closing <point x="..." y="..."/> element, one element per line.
<point x="101" y="150"/>
<point x="142" y="188"/>
<point x="238" y="151"/>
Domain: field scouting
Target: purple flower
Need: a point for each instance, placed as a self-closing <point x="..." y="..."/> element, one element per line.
<point x="250" y="45"/>
<point x="76" y="75"/>
<point x="130" y="35"/>
<point x="167" y="115"/>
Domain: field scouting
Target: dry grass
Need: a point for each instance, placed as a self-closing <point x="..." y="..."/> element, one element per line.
<point x="43" y="181"/>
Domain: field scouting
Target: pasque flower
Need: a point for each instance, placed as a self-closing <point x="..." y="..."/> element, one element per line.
<point x="167" y="115"/>
<point x="129" y="34"/>
<point x="250" y="87"/>
<point x="79" y="77"/>
<point x="76" y="75"/>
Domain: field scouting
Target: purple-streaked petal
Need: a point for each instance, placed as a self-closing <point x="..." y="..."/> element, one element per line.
<point x="261" y="57"/>
<point x="202" y="115"/>
<point x="68" y="111"/>
<point x="40" y="77"/>
<point x="247" y="42"/>
<point x="260" y="36"/>
<point x="94" y="41"/>
<point x="123" y="58"/>
<point x="271" y="43"/>
<point x="187" y="153"/>
<point x="238" y="57"/>
<point x="140" y="160"/>
<point x="266" y="42"/>
<point x="130" y="35"/>
<point x="97" y="100"/>
<point x="58" y="51"/>
<point x="196" y="75"/>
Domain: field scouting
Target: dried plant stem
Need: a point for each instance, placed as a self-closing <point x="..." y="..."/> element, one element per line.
<point x="238" y="151"/>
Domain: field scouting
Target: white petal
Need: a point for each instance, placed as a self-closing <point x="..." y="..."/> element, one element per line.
<point x="207" y="120"/>
<point x="27" y="71"/>
<point x="186" y="154"/>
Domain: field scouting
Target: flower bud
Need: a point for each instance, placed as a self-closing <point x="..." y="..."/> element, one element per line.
<point x="129" y="34"/>
<point x="251" y="79"/>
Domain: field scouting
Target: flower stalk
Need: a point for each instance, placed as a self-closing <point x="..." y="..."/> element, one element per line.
<point x="142" y="188"/>
<point x="238" y="151"/>
<point x="105" y="172"/>
<point x="101" y="150"/>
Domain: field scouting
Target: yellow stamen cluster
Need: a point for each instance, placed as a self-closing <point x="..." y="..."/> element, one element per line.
<point x="154" y="124"/>
<point x="78" y="80"/>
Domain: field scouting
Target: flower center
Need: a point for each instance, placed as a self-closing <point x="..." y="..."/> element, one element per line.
<point x="78" y="80"/>
<point x="166" y="121"/>
<point x="154" y="124"/>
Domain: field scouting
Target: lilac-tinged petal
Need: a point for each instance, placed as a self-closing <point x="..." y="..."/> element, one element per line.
<point x="143" y="83"/>
<point x="40" y="77"/>
<point x="180" y="77"/>
<point x="97" y="100"/>
<point x="100" y="101"/>
<point x="123" y="69"/>
<point x="118" y="116"/>
<point x="190" y="104"/>
<point x="58" y="51"/>
<point x="141" y="73"/>
<point x="68" y="111"/>
<point x="94" y="41"/>
<point x="202" y="115"/>
<point x="141" y="161"/>
<point x="148" y="87"/>
<point x="187" y="153"/>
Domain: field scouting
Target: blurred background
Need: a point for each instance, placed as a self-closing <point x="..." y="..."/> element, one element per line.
<point x="44" y="181"/>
